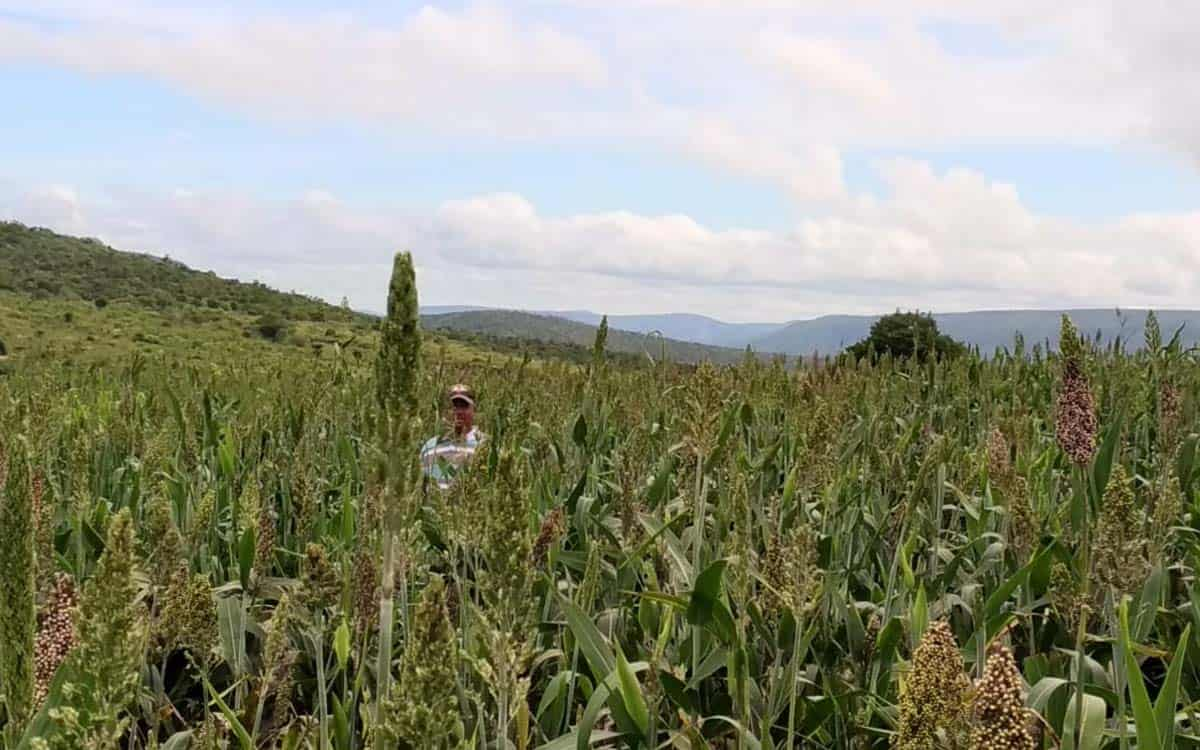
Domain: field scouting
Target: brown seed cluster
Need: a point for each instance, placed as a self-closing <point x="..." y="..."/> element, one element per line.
<point x="1000" y="716"/>
<point x="999" y="463"/>
<point x="553" y="527"/>
<point x="55" y="636"/>
<point x="264" y="541"/>
<point x="366" y="592"/>
<point x="321" y="584"/>
<point x="1169" y="412"/>
<point x="1075" y="421"/>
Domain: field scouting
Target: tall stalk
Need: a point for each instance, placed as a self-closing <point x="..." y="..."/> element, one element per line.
<point x="397" y="370"/>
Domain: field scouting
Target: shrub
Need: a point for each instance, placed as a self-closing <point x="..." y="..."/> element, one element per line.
<point x="904" y="335"/>
<point x="271" y="326"/>
<point x="100" y="303"/>
<point x="3" y="349"/>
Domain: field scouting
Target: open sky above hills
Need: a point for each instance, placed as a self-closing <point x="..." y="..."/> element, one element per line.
<point x="747" y="159"/>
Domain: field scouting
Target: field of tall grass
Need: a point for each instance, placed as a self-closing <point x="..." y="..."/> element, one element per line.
<point x="978" y="553"/>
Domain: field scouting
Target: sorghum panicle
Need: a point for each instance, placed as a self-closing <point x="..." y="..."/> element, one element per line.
<point x="18" y="586"/>
<point x="56" y="634"/>
<point x="791" y="570"/>
<point x="366" y="591"/>
<point x="999" y="462"/>
<point x="1119" y="547"/>
<point x="1075" y="417"/>
<point x="933" y="696"/>
<point x="552" y="529"/>
<point x="1001" y="721"/>
<point x="187" y="619"/>
<point x="321" y="583"/>
<point x="420" y="712"/>
<point x="264" y="538"/>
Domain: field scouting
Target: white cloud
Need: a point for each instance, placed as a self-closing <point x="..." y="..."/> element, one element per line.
<point x="773" y="90"/>
<point x="435" y="66"/>
<point x="947" y="241"/>
<point x="767" y="88"/>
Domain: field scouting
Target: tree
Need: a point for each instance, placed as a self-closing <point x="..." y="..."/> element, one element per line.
<point x="904" y="335"/>
<point x="271" y="326"/>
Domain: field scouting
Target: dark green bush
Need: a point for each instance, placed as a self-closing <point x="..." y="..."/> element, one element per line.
<point x="904" y="335"/>
<point x="271" y="326"/>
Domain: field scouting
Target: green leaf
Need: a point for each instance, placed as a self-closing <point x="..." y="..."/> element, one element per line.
<point x="600" y="697"/>
<point x="1168" y="695"/>
<point x="580" y="431"/>
<point x="231" y="619"/>
<point x="246" y="556"/>
<point x="677" y="692"/>
<point x="239" y="731"/>
<point x="856" y="634"/>
<point x="748" y="739"/>
<point x="631" y="692"/>
<point x="1143" y="713"/>
<point x="1091" y="734"/>
<point x="568" y="741"/>
<point x="677" y="602"/>
<point x="178" y="741"/>
<point x="341" y="726"/>
<point x="552" y="705"/>
<point x="706" y="595"/>
<point x="1102" y="465"/>
<point x="1043" y="690"/>
<point x="919" y="617"/>
<point x="1005" y="590"/>
<point x="710" y="664"/>
<point x="341" y="645"/>
<point x="662" y="482"/>
<point x="595" y="649"/>
<point x="888" y="640"/>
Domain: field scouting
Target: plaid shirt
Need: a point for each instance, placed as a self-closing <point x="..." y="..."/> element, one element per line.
<point x="438" y="454"/>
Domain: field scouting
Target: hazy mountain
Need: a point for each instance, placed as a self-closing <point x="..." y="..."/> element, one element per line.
<point x="988" y="329"/>
<point x="682" y="326"/>
<point x="512" y="324"/>
<point x="829" y="334"/>
<point x="700" y="329"/>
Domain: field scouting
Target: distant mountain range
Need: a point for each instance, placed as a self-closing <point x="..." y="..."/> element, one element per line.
<point x="986" y="329"/>
<point x="556" y="329"/>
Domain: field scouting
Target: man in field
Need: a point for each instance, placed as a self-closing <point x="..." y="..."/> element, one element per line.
<point x="442" y="457"/>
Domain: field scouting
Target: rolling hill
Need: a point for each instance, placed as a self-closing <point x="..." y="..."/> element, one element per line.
<point x="987" y="329"/>
<point x="76" y="299"/>
<point x="829" y="334"/>
<point x="511" y="324"/>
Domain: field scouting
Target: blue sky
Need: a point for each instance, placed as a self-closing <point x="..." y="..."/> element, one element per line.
<point x="742" y="160"/>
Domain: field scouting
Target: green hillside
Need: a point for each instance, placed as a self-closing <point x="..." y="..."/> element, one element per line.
<point x="69" y="299"/>
<point x="47" y="265"/>
<point x="502" y="325"/>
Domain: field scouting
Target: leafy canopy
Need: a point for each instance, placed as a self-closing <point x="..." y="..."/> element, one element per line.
<point x="904" y="335"/>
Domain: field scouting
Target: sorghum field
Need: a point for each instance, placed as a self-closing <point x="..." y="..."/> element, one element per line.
<point x="976" y="553"/>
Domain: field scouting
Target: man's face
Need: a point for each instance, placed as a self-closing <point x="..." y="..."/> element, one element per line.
<point x="462" y="414"/>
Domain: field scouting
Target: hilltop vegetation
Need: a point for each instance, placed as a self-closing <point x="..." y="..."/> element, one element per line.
<point x="509" y="325"/>
<point x="46" y="265"/>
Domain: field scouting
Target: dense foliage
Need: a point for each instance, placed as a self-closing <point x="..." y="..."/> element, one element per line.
<point x="45" y="265"/>
<point x="960" y="553"/>
<point x="904" y="335"/>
